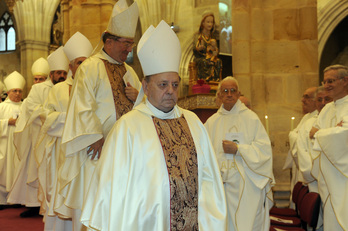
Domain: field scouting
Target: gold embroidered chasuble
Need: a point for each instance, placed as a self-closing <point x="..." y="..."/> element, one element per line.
<point x="181" y="159"/>
<point x="115" y="74"/>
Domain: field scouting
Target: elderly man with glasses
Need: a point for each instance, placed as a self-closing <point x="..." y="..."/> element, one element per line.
<point x="104" y="89"/>
<point x="244" y="153"/>
<point x="330" y="134"/>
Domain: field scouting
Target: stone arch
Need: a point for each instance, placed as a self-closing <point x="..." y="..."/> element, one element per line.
<point x="330" y="14"/>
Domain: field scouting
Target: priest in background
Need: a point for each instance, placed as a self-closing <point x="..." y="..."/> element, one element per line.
<point x="309" y="110"/>
<point x="331" y="139"/>
<point x="244" y="152"/>
<point x="157" y="170"/>
<point x="47" y="149"/>
<point x="308" y="160"/>
<point x="25" y="188"/>
<point x="9" y="111"/>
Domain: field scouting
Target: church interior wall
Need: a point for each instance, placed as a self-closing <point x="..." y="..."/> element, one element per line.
<point x="9" y="61"/>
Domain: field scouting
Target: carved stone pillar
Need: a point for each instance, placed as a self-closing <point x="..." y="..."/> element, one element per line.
<point x="90" y="17"/>
<point x="34" y="20"/>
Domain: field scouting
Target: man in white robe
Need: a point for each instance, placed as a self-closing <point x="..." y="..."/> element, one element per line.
<point x="309" y="110"/>
<point x="104" y="89"/>
<point x="47" y="149"/>
<point x="157" y="170"/>
<point x="308" y="160"/>
<point x="9" y="111"/>
<point x="244" y="152"/>
<point x="40" y="70"/>
<point x="25" y="189"/>
<point x="331" y="141"/>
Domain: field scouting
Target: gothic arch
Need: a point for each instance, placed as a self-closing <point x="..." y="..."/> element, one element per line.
<point x="330" y="14"/>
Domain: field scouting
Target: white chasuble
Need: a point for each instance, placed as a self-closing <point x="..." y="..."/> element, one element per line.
<point x="333" y="179"/>
<point x="90" y="116"/>
<point x="247" y="175"/>
<point x="131" y="186"/>
<point x="8" y="157"/>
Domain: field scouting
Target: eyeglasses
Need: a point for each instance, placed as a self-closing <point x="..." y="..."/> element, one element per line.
<point x="329" y="81"/>
<point x="232" y="90"/>
<point x="325" y="99"/>
<point x="126" y="44"/>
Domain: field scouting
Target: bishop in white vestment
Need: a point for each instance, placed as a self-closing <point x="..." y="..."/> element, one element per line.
<point x="9" y="111"/>
<point x="157" y="170"/>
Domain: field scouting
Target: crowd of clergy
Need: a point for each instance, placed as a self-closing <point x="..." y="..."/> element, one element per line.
<point x="92" y="147"/>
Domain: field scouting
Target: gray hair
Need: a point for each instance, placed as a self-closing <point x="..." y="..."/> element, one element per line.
<point x="226" y="79"/>
<point x="342" y="71"/>
<point x="319" y="89"/>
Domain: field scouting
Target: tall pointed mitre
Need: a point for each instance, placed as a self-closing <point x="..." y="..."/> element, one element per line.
<point x="159" y="50"/>
<point x="78" y="46"/>
<point x="14" y="81"/>
<point x="40" y="67"/>
<point x="58" y="60"/>
<point x="123" y="20"/>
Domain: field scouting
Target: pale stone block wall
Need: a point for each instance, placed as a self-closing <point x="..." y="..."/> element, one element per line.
<point x="275" y="58"/>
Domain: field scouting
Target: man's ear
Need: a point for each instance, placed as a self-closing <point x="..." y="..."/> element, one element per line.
<point x="144" y="83"/>
<point x="70" y="66"/>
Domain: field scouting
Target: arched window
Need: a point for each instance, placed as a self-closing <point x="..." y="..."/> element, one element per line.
<point x="7" y="33"/>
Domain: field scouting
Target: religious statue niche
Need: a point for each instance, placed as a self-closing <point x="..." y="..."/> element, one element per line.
<point x="207" y="64"/>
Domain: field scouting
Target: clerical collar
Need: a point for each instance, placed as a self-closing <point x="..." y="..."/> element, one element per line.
<point x="160" y="114"/>
<point x="109" y="58"/>
<point x="341" y="100"/>
<point x="235" y="109"/>
<point x="313" y="113"/>
<point x="7" y="100"/>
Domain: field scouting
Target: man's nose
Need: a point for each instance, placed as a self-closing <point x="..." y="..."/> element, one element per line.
<point x="170" y="89"/>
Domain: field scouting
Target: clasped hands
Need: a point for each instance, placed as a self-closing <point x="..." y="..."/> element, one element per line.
<point x="229" y="147"/>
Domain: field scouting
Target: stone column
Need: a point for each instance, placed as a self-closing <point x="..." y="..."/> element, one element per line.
<point x="275" y="58"/>
<point x="90" y="17"/>
<point x="31" y="51"/>
<point x="34" y="19"/>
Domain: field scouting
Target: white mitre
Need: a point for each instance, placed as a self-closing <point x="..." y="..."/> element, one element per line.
<point x="159" y="50"/>
<point x="40" y="67"/>
<point x="58" y="60"/>
<point x="123" y="20"/>
<point x="78" y="46"/>
<point x="14" y="81"/>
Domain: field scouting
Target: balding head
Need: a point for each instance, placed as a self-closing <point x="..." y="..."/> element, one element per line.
<point x="308" y="100"/>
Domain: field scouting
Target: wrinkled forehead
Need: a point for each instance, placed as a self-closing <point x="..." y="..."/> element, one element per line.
<point x="229" y="84"/>
<point x="322" y="94"/>
<point x="166" y="76"/>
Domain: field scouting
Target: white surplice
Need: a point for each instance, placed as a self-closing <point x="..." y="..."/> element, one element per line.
<point x="48" y="156"/>
<point x="247" y="175"/>
<point x="292" y="154"/>
<point x="131" y="188"/>
<point x="25" y="188"/>
<point x="90" y="116"/>
<point x="333" y="179"/>
<point x="308" y="160"/>
<point x="8" y="157"/>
